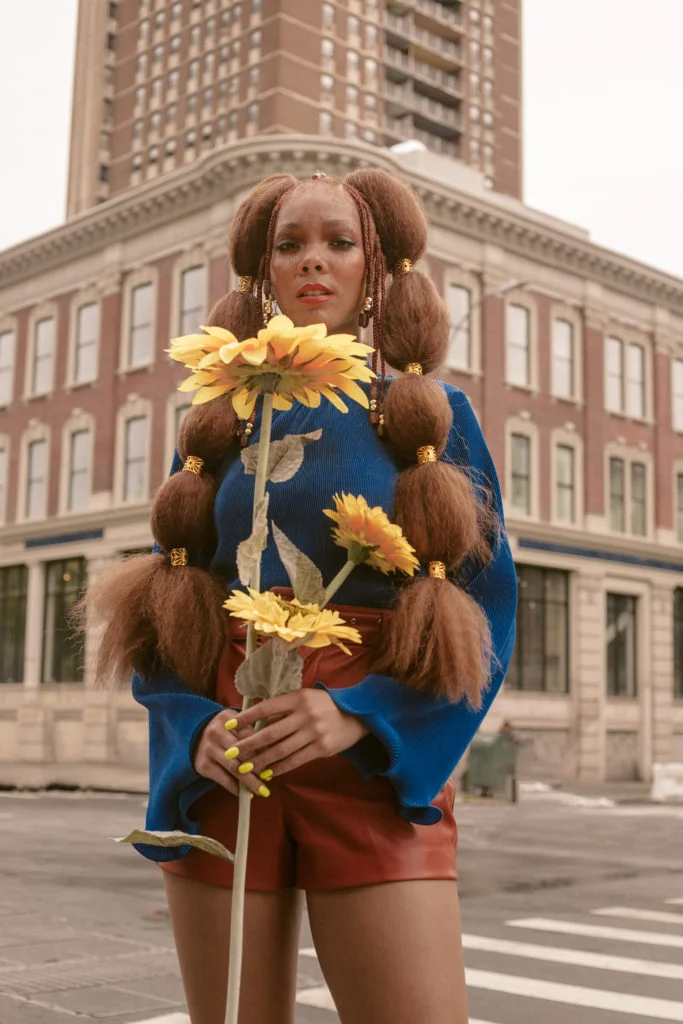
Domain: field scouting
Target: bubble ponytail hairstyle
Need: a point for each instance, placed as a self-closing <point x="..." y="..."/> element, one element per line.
<point x="156" y="609"/>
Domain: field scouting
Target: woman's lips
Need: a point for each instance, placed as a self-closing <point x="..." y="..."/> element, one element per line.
<point x="315" y="300"/>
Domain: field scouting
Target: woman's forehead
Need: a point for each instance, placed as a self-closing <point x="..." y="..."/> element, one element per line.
<point x="315" y="201"/>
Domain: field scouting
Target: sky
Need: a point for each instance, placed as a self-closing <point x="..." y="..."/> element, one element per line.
<point x="602" y="109"/>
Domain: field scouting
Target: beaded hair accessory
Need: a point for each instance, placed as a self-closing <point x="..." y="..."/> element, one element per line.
<point x="437" y="570"/>
<point x="245" y="284"/>
<point x="427" y="453"/>
<point x="178" y="556"/>
<point x="414" y="368"/>
<point x="193" y="464"/>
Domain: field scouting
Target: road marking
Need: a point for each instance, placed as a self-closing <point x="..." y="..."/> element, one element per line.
<point x="319" y="997"/>
<point x="576" y="957"/>
<point x="678" y="900"/>
<point x="635" y="914"/>
<point x="170" y="1018"/>
<point x="576" y="995"/>
<point x="542" y="924"/>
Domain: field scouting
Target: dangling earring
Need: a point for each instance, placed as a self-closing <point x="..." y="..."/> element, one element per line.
<point x="267" y="311"/>
<point x="366" y="312"/>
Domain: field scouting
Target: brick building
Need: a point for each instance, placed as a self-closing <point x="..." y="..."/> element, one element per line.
<point x="572" y="356"/>
<point x="159" y="84"/>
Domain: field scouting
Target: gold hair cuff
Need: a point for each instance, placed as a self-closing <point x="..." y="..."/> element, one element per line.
<point x="437" y="570"/>
<point x="405" y="266"/>
<point x="427" y="453"/>
<point x="193" y="464"/>
<point x="415" y="368"/>
<point x="246" y="284"/>
<point x="178" y="556"/>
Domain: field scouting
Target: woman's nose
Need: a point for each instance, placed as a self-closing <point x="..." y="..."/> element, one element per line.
<point x="312" y="259"/>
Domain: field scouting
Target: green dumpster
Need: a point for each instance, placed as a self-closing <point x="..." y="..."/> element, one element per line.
<point x="492" y="765"/>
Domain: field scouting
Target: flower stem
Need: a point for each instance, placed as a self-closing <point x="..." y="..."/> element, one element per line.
<point x="242" y="846"/>
<point x="343" y="574"/>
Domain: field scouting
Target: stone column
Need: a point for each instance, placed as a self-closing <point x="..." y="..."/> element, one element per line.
<point x="660" y="707"/>
<point x="588" y="675"/>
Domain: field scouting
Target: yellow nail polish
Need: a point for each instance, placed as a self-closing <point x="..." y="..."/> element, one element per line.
<point x="232" y="724"/>
<point x="246" y="767"/>
<point x="266" y="775"/>
<point x="263" y="791"/>
<point x="233" y="752"/>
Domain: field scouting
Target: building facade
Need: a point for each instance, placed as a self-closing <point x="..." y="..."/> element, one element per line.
<point x="158" y="84"/>
<point x="572" y="357"/>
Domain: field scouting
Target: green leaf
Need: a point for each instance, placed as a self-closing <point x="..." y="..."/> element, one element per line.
<point x="249" y="551"/>
<point x="272" y="669"/>
<point x="284" y="458"/>
<point x="304" y="575"/>
<point x="205" y="843"/>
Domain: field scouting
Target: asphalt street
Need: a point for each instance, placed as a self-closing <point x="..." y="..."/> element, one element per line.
<point x="572" y="913"/>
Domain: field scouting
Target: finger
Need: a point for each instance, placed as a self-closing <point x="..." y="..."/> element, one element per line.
<point x="266" y="709"/>
<point x="281" y="751"/>
<point x="305" y="755"/>
<point x="242" y="773"/>
<point x="267" y="737"/>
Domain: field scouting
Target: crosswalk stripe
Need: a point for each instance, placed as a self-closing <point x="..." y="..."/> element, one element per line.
<point x="636" y="914"/>
<point x="169" y="1018"/>
<point x="576" y="995"/>
<point x="576" y="957"/>
<point x="678" y="901"/>
<point x="542" y="924"/>
<point x="319" y="997"/>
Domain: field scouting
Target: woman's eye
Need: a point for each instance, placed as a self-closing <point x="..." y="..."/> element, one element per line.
<point x="284" y="246"/>
<point x="344" y="243"/>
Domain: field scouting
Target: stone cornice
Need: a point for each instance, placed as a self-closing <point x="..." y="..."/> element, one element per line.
<point x="226" y="171"/>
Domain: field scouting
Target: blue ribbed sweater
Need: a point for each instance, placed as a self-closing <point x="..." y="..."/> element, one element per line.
<point x="415" y="740"/>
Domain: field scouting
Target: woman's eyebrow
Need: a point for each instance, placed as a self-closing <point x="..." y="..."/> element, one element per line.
<point x="294" y="225"/>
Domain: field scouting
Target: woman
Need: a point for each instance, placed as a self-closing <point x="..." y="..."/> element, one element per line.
<point x="369" y="835"/>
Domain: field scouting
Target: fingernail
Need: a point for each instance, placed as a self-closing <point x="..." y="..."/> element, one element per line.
<point x="232" y="724"/>
<point x="233" y="752"/>
<point x="263" y="791"/>
<point x="266" y="775"/>
<point x="246" y="767"/>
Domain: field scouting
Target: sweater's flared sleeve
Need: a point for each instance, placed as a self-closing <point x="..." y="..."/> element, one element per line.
<point x="415" y="739"/>
<point x="176" y="718"/>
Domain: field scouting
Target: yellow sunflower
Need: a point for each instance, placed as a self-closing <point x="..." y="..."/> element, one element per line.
<point x="297" y="363"/>
<point x="362" y="529"/>
<point x="291" y="620"/>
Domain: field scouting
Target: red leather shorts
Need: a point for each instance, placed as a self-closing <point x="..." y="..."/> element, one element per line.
<point x="323" y="827"/>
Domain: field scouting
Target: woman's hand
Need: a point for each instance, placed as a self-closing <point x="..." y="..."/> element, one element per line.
<point x="299" y="727"/>
<point x="210" y="759"/>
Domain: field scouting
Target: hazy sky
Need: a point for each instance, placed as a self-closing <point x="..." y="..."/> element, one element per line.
<point x="602" y="110"/>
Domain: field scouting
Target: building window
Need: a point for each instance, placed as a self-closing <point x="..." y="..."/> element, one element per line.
<point x="352" y="63"/>
<point x="328" y="17"/>
<point x="677" y="394"/>
<point x="208" y="98"/>
<point x="174" y="44"/>
<point x="192" y="298"/>
<point x="6" y="366"/>
<point x="371" y="36"/>
<point x="679" y="507"/>
<point x="209" y="63"/>
<point x="327" y="85"/>
<point x="159" y="19"/>
<point x="621" y="646"/>
<point x="87" y="336"/>
<point x="459" y="302"/>
<point x="13" y="597"/>
<point x="173" y="80"/>
<point x="210" y="27"/>
<point x="3" y="483"/>
<point x="518" y="345"/>
<point x="520" y="473"/>
<point x="351" y="130"/>
<point x="177" y="11"/>
<point x="141" y="317"/>
<point x="157" y="90"/>
<point x="635" y="381"/>
<point x="158" y="53"/>
<point x="135" y="459"/>
<point x="79" y="469"/>
<point x="353" y="27"/>
<point x="565" y="508"/>
<point x="193" y="69"/>
<point x="540" y="661"/>
<point x="327" y="51"/>
<point x="614" y="376"/>
<point x="325" y="122"/>
<point x="351" y="96"/>
<point x="36" y="480"/>
<point x="638" y="499"/>
<point x="254" y="76"/>
<point x="63" y="650"/>
<point x="252" y="113"/>
<point x="563" y="358"/>
<point x="678" y="643"/>
<point x="43" y="356"/>
<point x="617" y="495"/>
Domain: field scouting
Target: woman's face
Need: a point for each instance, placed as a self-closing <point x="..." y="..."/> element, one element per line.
<point x="317" y="269"/>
